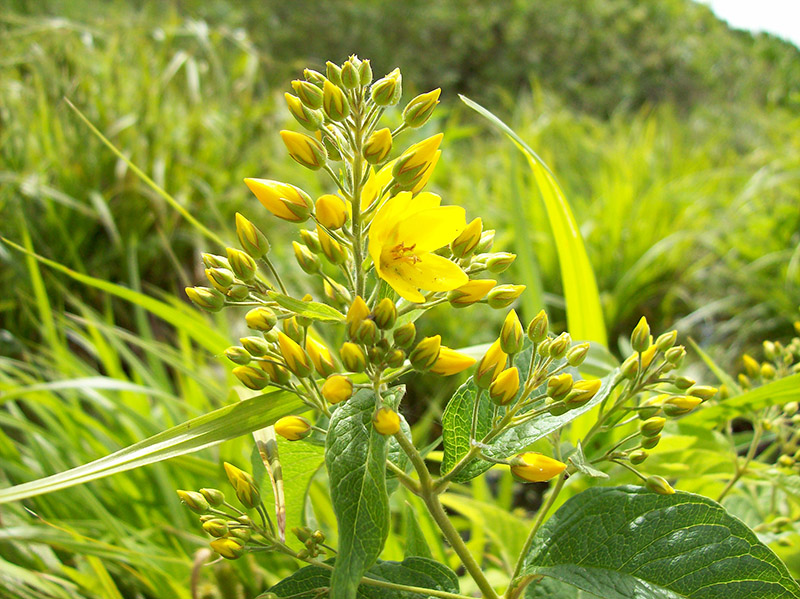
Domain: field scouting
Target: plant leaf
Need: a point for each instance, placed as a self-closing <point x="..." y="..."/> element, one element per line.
<point x="312" y="310"/>
<point x="199" y="433"/>
<point x="584" y="310"/>
<point x="355" y="456"/>
<point x="657" y="547"/>
<point x="416" y="545"/>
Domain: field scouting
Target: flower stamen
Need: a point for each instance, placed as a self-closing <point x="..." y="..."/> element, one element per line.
<point x="401" y="253"/>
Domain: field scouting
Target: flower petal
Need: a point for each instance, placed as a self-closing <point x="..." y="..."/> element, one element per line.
<point x="401" y="284"/>
<point x="430" y="272"/>
<point x="430" y="229"/>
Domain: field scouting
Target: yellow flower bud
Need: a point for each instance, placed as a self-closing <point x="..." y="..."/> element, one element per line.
<point x="305" y="150"/>
<point x="256" y="346"/>
<point x="640" y="337"/>
<point x="261" y="319"/>
<point x="309" y="94"/>
<point x="491" y="364"/>
<point x="535" y="467"/>
<point x="659" y="485"/>
<point x="680" y="405"/>
<point x="194" y="501"/>
<point x="252" y="378"/>
<point x="214" y="497"/>
<point x="387" y="91"/>
<point x="559" y="385"/>
<point x="666" y="340"/>
<point x="419" y="110"/>
<point x="206" y="298"/>
<point x="367" y="333"/>
<point x="276" y="372"/>
<point x="577" y="354"/>
<point x="333" y="72"/>
<point x="320" y="356"/>
<point x="404" y="336"/>
<point x="386" y="421"/>
<point x="500" y="261"/>
<point x="242" y="264"/>
<point x="409" y="168"/>
<point x="305" y="258"/>
<point x="296" y="359"/>
<point x="238" y="355"/>
<point x="353" y="357"/>
<point x="426" y="353"/>
<point x="220" y="278"/>
<point x="505" y="387"/>
<point x="293" y="428"/>
<point x="538" y="327"/>
<point x="331" y="211"/>
<point x="511" y="334"/>
<point x="704" y="392"/>
<point x="451" y="362"/>
<point x="652" y="426"/>
<point x="281" y="199"/>
<point x="582" y="392"/>
<point x="638" y="456"/>
<point x="252" y="240"/>
<point x="331" y="248"/>
<point x="559" y="345"/>
<point x="503" y="296"/>
<point x="378" y="146"/>
<point x="385" y="314"/>
<point x="244" y="485"/>
<point x="751" y="366"/>
<point x="293" y="329"/>
<point x="216" y="527"/>
<point x="648" y="355"/>
<point x="228" y="548"/>
<point x="334" y="102"/>
<point x="356" y="313"/>
<point x="337" y="388"/>
<point x="472" y="292"/>
<point x="466" y="242"/>
<point x="767" y="371"/>
<point x="308" y="118"/>
<point x="350" y="76"/>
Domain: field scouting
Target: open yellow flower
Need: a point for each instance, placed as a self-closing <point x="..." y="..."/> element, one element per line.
<point x="404" y="233"/>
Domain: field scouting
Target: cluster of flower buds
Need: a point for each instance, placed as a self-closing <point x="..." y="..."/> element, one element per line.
<point x="779" y="361"/>
<point x="313" y="541"/>
<point x="231" y="527"/>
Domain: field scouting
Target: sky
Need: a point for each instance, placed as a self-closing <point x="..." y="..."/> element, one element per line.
<point x="779" y="17"/>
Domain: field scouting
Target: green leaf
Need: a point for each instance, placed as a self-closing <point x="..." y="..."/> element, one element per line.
<point x="416" y="545"/>
<point x="397" y="456"/>
<point x="355" y="456"/>
<point x="722" y="376"/>
<point x="199" y="433"/>
<point x="775" y="393"/>
<point x="578" y="459"/>
<point x="584" y="310"/>
<point x="550" y="588"/>
<point x="624" y="542"/>
<point x="457" y="423"/>
<point x="312" y="310"/>
<point x="310" y="582"/>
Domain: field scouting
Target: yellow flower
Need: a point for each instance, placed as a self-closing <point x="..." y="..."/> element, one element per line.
<point x="293" y="428"/>
<point x="451" y="362"/>
<point x="283" y="200"/>
<point x="536" y="468"/>
<point x="405" y="232"/>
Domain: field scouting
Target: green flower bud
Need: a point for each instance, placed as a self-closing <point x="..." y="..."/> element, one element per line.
<point x="353" y="357"/>
<point x="252" y="240"/>
<point x="652" y="426"/>
<point x="194" y="501"/>
<point x="334" y="102"/>
<point x="640" y="337"/>
<point x="675" y="355"/>
<point x="503" y="296"/>
<point x="261" y="319"/>
<point x="537" y="329"/>
<point x="651" y="442"/>
<point x="770" y="350"/>
<point x="214" y="497"/>
<point x="659" y="485"/>
<point x="577" y="354"/>
<point x="638" y="456"/>
<point x="334" y="73"/>
<point x="214" y="261"/>
<point x="666" y="340"/>
<point x="511" y="334"/>
<point x="293" y="329"/>
<point x="684" y="382"/>
<point x="486" y="242"/>
<point x="252" y="378"/>
<point x="790" y="408"/>
<point x="309" y="94"/>
<point x="395" y="358"/>
<point x="238" y="355"/>
<point x="255" y="346"/>
<point x="387" y="91"/>
<point x="630" y="367"/>
<point x="419" y="110"/>
<point x="559" y="346"/>
<point x="216" y="527"/>
<point x="385" y="314"/>
<point x="500" y="262"/>
<point x="220" y="278"/>
<point x="367" y="333"/>
<point x="466" y="242"/>
<point x="206" y="298"/>
<point x="351" y="78"/>
<point x="308" y="118"/>
<point x="238" y="293"/>
<point x="242" y="264"/>
<point x="404" y="336"/>
<point x="311" y="240"/>
<point x="365" y="73"/>
<point x="307" y="260"/>
<point x="426" y="352"/>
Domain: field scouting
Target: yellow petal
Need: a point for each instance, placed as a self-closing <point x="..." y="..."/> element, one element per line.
<point x="403" y="287"/>
<point x="431" y="272"/>
<point x="428" y="230"/>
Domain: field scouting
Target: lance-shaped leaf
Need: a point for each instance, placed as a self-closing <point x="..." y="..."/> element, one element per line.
<point x="312" y="310"/>
<point x="625" y="542"/>
<point x="205" y="431"/>
<point x="355" y="456"/>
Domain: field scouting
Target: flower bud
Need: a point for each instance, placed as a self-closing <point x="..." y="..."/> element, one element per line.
<point x="214" y="497"/>
<point x="194" y="501"/>
<point x="768" y="371"/>
<point x="648" y="355"/>
<point x="683" y="382"/>
<point x="333" y="146"/>
<point x="751" y="366"/>
<point x="308" y="118"/>
<point x="426" y="353"/>
<point x="311" y="240"/>
<point x="790" y="408"/>
<point x="378" y="146"/>
<point x="334" y="102"/>
<point x="293" y="329"/>
<point x="296" y="358"/>
<point x="451" y="362"/>
<point x="577" y="354"/>
<point x="350" y="76"/>
<point x="666" y="340"/>
<point x="387" y="91"/>
<point x="582" y="392"/>
<point x="337" y="388"/>
<point x="511" y="334"/>
<point x="537" y="329"/>
<point x="704" y="392"/>
<point x="470" y="293"/>
<point x="216" y="527"/>
<point x="680" y="405"/>
<point x="252" y="378"/>
<point x="651" y="442"/>
<point x="281" y="199"/>
<point x="206" y="298"/>
<point x="365" y="73"/>
<point x="320" y="356"/>
<point x="500" y="262"/>
<point x="220" y="278"/>
<point x="412" y="164"/>
<point x="276" y="372"/>
<point x="333" y="72"/>
<point x="419" y="110"/>
<point x="252" y="240"/>
<point x="241" y="264"/>
<point x="486" y="242"/>
<point x="309" y="94"/>
<point x="675" y="355"/>
<point x="261" y="319"/>
<point x="396" y="357"/>
<point x="490" y="366"/>
<point x="503" y="296"/>
<point x="638" y="456"/>
<point x="331" y="248"/>
<point x="228" y="548"/>
<point x="214" y="261"/>
<point x="240" y="534"/>
<point x="466" y="242"/>
<point x="367" y="333"/>
<point x="255" y="346"/>
<point x="640" y="337"/>
<point x="386" y="421"/>
<point x="651" y="407"/>
<point x="504" y="388"/>
<point x="535" y="467"/>
<point x="559" y="346"/>
<point x="305" y="150"/>
<point x="293" y="428"/>
<point x="652" y="426"/>
<point x="237" y="355"/>
<point x="770" y="351"/>
<point x="331" y="211"/>
<point x="356" y="313"/>
<point x="385" y="314"/>
<point x="559" y="385"/>
<point x="659" y="485"/>
<point x="404" y="336"/>
<point x="244" y="485"/>
<point x="353" y="357"/>
<point x="305" y="258"/>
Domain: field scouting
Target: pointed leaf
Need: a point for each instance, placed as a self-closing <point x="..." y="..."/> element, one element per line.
<point x="312" y="310"/>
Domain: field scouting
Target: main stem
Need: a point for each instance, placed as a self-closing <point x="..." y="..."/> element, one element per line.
<point x="358" y="167"/>
<point x="431" y="499"/>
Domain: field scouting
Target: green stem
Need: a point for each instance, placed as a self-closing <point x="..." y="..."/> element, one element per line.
<point x="275" y="274"/>
<point x="740" y="470"/>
